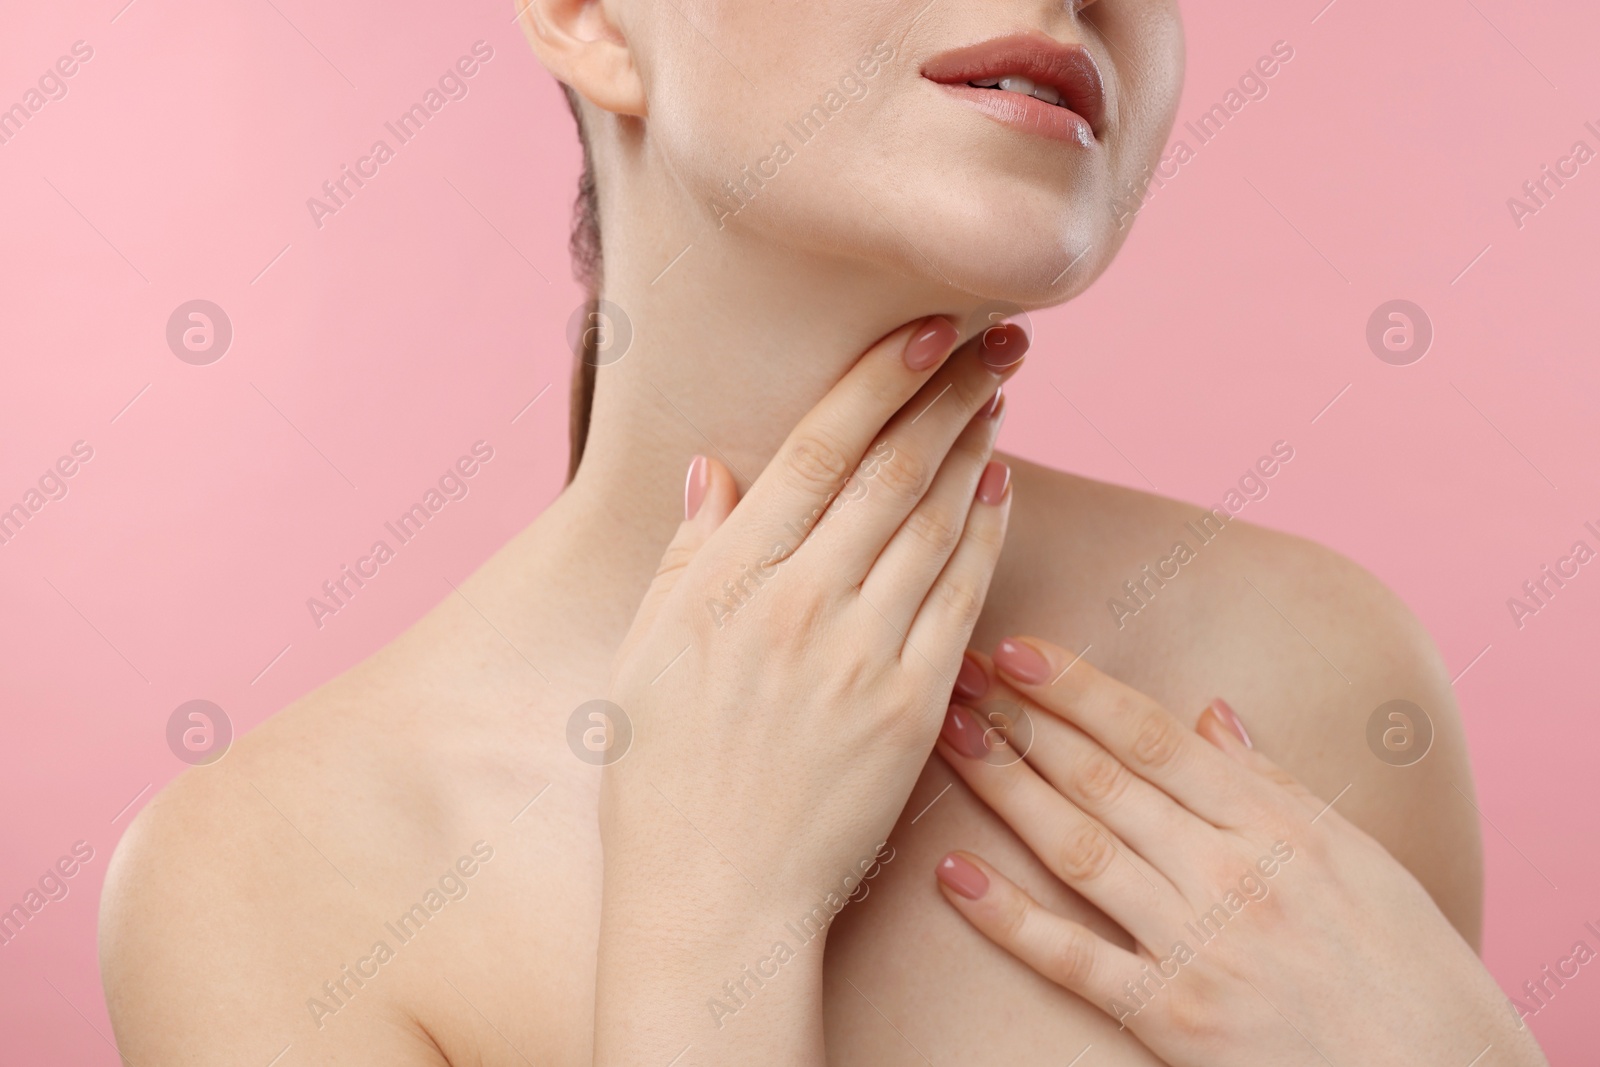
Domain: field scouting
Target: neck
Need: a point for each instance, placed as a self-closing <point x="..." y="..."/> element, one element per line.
<point x="731" y="347"/>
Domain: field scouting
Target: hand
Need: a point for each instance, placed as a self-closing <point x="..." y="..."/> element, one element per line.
<point x="1268" y="928"/>
<point x="785" y="679"/>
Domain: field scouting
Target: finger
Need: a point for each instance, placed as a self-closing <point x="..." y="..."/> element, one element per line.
<point x="1156" y="827"/>
<point x="946" y="615"/>
<point x="709" y="497"/>
<point x="1146" y="737"/>
<point x="1221" y="725"/>
<point x="911" y="452"/>
<point x="916" y="553"/>
<point x="972" y="681"/>
<point x="1065" y="952"/>
<point x="1071" y="845"/>
<point x="827" y="445"/>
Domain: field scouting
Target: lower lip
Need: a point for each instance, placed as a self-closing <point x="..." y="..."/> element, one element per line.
<point x="1026" y="113"/>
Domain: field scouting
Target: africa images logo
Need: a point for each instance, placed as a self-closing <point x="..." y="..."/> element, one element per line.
<point x="453" y="484"/>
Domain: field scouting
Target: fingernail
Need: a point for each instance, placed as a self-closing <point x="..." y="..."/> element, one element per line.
<point x="1230" y="718"/>
<point x="971" y="681"/>
<point x="994" y="483"/>
<point x="694" y="487"/>
<point x="930" y="343"/>
<point x="963" y="732"/>
<point x="1022" y="661"/>
<point x="962" y="877"/>
<point x="1004" y="346"/>
<point x="996" y="402"/>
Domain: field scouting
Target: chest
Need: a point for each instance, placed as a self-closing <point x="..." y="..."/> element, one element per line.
<point x="907" y="980"/>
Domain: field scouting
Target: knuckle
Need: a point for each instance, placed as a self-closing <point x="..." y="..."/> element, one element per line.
<point x="1157" y="739"/>
<point x="1287" y="781"/>
<point x="971" y="393"/>
<point x="1190" y="1014"/>
<point x="1245" y="805"/>
<point x="886" y="391"/>
<point x="805" y="612"/>
<point x="1278" y="820"/>
<point x="792" y="618"/>
<point x="1011" y="918"/>
<point x="937" y="531"/>
<point x="674" y="560"/>
<point x="988" y="536"/>
<point x="1100" y="779"/>
<point x="818" y="462"/>
<point x="1084" y="855"/>
<point x="1221" y="872"/>
<point x="963" y="598"/>
<point x="904" y="475"/>
<point x="1074" y="959"/>
<point x="1268" y="910"/>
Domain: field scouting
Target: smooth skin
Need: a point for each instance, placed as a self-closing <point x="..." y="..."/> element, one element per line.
<point x="801" y="764"/>
<point x="1268" y="927"/>
<point x="247" y="886"/>
<point x="243" y="890"/>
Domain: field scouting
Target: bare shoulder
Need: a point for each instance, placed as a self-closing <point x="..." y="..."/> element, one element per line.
<point x="1335" y="677"/>
<point x="233" y="897"/>
<point x="277" y="897"/>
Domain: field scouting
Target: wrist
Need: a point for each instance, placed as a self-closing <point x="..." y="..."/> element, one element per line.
<point x="696" y="853"/>
<point x="679" y="963"/>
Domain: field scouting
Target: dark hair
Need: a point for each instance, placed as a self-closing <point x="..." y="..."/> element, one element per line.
<point x="588" y="269"/>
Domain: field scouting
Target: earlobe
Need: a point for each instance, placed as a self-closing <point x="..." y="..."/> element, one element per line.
<point x="582" y="45"/>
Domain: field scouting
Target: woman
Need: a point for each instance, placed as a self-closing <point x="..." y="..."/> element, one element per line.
<point x="406" y="866"/>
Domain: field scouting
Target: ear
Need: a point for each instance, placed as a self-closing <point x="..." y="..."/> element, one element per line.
<point x="580" y="43"/>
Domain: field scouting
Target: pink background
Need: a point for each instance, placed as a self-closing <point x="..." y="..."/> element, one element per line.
<point x="429" y="312"/>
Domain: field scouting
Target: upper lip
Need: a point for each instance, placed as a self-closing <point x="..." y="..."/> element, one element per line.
<point x="1069" y="69"/>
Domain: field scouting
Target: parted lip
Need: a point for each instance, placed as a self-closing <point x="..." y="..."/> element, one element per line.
<point x="1069" y="69"/>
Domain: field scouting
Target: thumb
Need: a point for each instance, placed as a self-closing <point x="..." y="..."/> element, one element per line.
<point x="709" y="496"/>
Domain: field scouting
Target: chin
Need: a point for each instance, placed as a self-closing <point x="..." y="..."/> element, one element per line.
<point x="1032" y="251"/>
<point x="934" y="189"/>
<point x="1001" y="212"/>
<point x="973" y="241"/>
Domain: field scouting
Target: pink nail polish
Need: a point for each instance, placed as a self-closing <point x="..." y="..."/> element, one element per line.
<point x="963" y="732"/>
<point x="694" y="486"/>
<point x="996" y="402"/>
<point x="1022" y="661"/>
<point x="1231" y="720"/>
<point x="971" y="681"/>
<point x="994" y="484"/>
<point x="962" y="877"/>
<point x="1003" y="346"/>
<point x="930" y="343"/>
